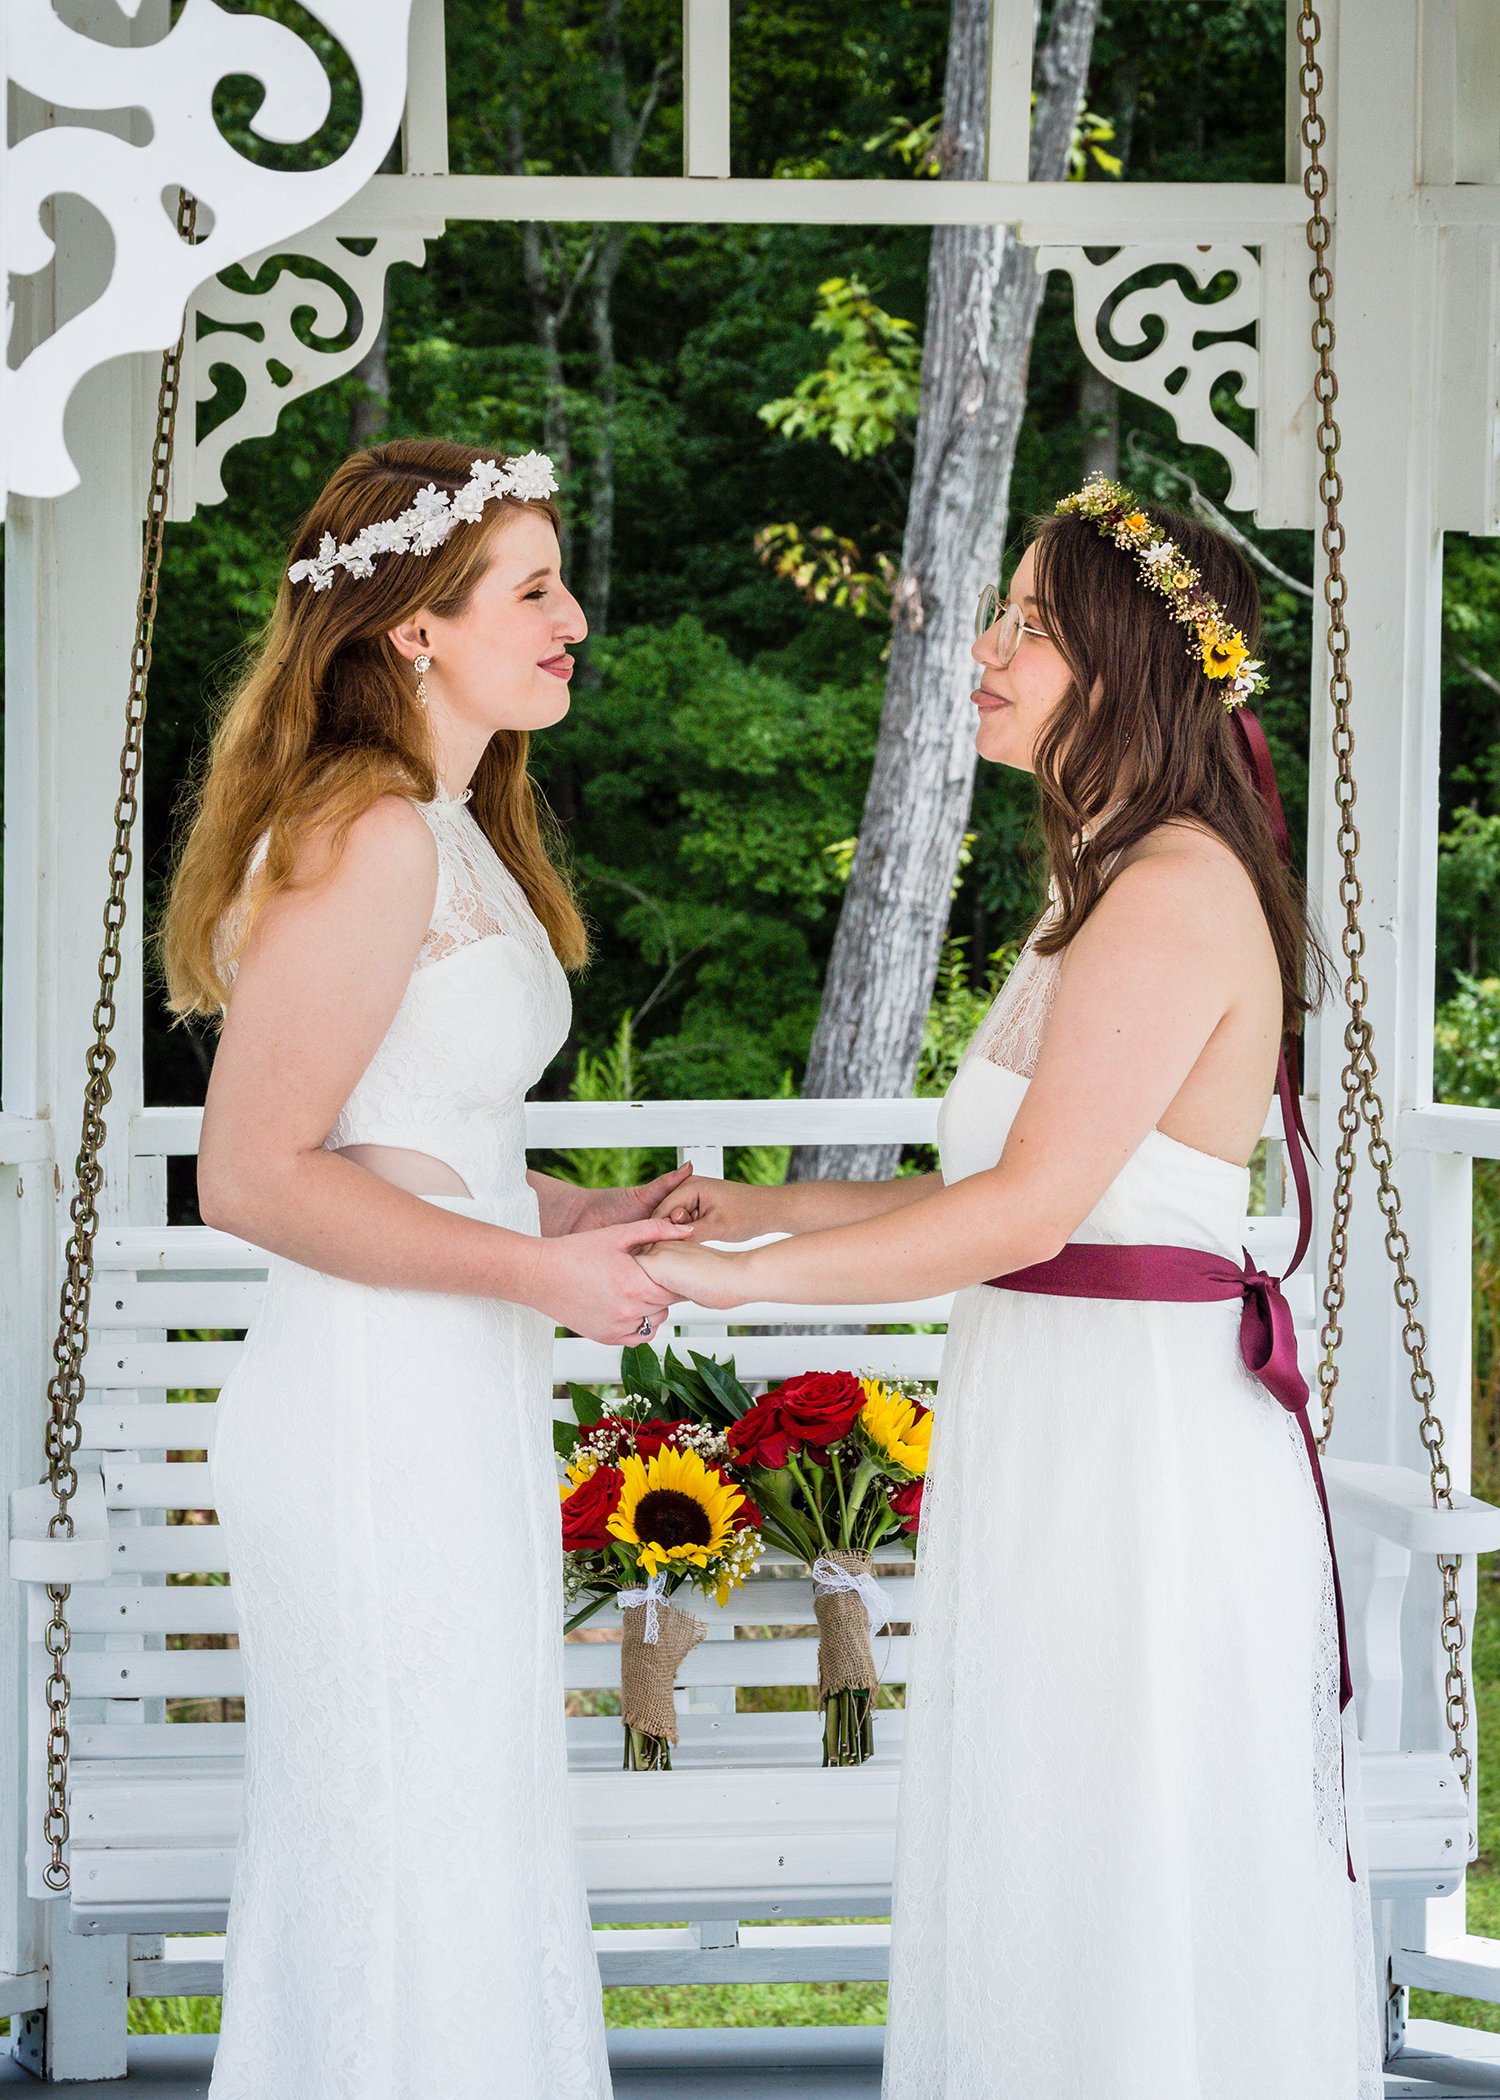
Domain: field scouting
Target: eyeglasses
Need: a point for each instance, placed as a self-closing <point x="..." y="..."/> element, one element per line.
<point x="1012" y="626"/>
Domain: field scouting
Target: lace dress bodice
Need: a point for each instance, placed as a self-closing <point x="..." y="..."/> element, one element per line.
<point x="486" y="1009"/>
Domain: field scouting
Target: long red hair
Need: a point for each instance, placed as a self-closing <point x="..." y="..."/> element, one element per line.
<point x="325" y="720"/>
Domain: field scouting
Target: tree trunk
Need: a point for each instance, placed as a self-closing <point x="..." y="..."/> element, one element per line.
<point x="983" y="294"/>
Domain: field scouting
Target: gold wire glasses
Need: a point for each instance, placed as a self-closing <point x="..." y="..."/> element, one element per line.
<point x="1012" y="626"/>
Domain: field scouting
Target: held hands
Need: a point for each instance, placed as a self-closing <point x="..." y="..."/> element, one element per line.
<point x="700" y="1273"/>
<point x="716" y="1210"/>
<point x="626" y="1206"/>
<point x="590" y="1281"/>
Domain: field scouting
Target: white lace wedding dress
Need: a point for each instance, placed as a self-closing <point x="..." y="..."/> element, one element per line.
<point x="408" y="1919"/>
<point x="1120" y="1867"/>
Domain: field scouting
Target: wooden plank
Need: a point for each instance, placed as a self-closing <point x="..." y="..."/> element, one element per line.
<point x="705" y="89"/>
<point x="1044" y="211"/>
<point x="1007" y="153"/>
<point x="1468" y="1967"/>
<point x="184" y="1607"/>
<point x="1396" y="1502"/>
<point x="218" y="1673"/>
<point x="24" y="1139"/>
<point x="203" y="1366"/>
<point x="906" y="1119"/>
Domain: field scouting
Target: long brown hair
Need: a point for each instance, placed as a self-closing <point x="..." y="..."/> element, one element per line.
<point x="1158" y="743"/>
<point x="325" y="720"/>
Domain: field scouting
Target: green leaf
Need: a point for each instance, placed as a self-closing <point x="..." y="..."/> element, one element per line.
<point x="726" y="1387"/>
<point x="640" y="1372"/>
<point x="588" y="1404"/>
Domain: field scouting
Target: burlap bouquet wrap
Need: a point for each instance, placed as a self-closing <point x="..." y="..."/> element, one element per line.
<point x="846" y="1660"/>
<point x="648" y="1669"/>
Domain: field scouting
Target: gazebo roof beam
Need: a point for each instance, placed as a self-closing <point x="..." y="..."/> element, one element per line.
<point x="1044" y="211"/>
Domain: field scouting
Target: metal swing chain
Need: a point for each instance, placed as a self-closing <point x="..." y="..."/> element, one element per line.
<point x="1360" y="1101"/>
<point x="66" y="1386"/>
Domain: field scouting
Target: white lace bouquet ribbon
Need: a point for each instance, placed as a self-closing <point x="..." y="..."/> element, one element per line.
<point x="651" y="1596"/>
<point x="829" y="1578"/>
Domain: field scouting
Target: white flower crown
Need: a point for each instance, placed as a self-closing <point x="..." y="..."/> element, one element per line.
<point x="429" y="520"/>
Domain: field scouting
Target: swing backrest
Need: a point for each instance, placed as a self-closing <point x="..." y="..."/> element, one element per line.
<point x="748" y="1827"/>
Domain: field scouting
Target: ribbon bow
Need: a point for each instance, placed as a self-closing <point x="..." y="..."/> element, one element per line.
<point x="829" y="1577"/>
<point x="651" y="1596"/>
<point x="1268" y="1341"/>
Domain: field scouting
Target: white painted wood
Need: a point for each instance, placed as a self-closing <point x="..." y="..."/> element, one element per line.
<point x="1287" y="416"/>
<point x="1166" y="310"/>
<point x="1395" y="1502"/>
<point x="1102" y="213"/>
<point x="1008" y="130"/>
<point x="705" y="89"/>
<point x="1472" y="1132"/>
<point x="315" y="306"/>
<point x="692" y="1126"/>
<point x="424" y="127"/>
<point x="152" y="273"/>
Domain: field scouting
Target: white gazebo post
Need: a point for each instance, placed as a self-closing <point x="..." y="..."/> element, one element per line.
<point x="72" y="569"/>
<point x="1412" y="118"/>
<point x="73" y="564"/>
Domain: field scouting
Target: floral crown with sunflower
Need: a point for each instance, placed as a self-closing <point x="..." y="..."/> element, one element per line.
<point x="1217" y="643"/>
<point x="429" y="520"/>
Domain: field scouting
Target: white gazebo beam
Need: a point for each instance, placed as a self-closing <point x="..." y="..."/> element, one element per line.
<point x="1103" y="214"/>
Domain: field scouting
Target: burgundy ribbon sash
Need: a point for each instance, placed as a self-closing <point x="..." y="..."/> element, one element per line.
<point x="1194" y="1276"/>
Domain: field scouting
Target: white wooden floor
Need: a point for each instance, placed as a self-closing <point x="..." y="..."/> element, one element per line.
<point x="805" y="2063"/>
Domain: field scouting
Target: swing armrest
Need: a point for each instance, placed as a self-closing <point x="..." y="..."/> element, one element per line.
<point x="82" y="1558"/>
<point x="1395" y="1502"/>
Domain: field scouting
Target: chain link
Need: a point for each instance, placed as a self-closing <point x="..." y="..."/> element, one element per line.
<point x="66" y="1386"/>
<point x="1361" y="1103"/>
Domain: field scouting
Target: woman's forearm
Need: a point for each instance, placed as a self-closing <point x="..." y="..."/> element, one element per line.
<point x="958" y="1235"/>
<point x="558" y="1202"/>
<point x="812" y="1206"/>
<point x="329" y="1213"/>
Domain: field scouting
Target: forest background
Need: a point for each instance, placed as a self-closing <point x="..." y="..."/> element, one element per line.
<point x="733" y="408"/>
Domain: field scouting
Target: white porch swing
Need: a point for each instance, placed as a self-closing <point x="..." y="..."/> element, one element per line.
<point x="131" y="1821"/>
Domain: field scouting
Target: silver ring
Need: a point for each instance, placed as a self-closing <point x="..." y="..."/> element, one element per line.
<point x="645" y="1326"/>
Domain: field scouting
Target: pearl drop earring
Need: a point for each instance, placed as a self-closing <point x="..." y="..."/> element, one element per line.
<point x="423" y="666"/>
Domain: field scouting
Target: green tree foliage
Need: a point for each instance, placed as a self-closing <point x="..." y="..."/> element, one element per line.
<point x="726" y="745"/>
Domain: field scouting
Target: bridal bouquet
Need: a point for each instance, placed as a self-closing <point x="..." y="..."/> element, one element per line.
<point x="837" y="1465"/>
<point x="651" y="1492"/>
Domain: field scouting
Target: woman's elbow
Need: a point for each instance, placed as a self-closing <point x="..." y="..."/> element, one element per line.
<point x="219" y="1202"/>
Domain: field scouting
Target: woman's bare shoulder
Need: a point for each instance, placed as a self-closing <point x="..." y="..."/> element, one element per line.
<point x="1186" y="856"/>
<point x="387" y="844"/>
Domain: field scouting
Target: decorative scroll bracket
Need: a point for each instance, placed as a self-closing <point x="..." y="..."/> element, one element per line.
<point x="133" y="187"/>
<point x="253" y="333"/>
<point x="1182" y="370"/>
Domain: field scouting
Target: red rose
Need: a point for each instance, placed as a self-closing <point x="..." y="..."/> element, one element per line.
<point x="759" y="1437"/>
<point x="646" y="1437"/>
<point x="907" y="1502"/>
<point x="586" y="1509"/>
<point x="820" y="1407"/>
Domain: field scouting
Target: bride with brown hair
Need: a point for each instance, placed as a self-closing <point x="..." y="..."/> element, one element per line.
<point x="369" y="896"/>
<point x="1129" y="1858"/>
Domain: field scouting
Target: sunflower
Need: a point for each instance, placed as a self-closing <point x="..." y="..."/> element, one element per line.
<point x="896" y="1428"/>
<point x="1223" y="653"/>
<point x="675" y="1508"/>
